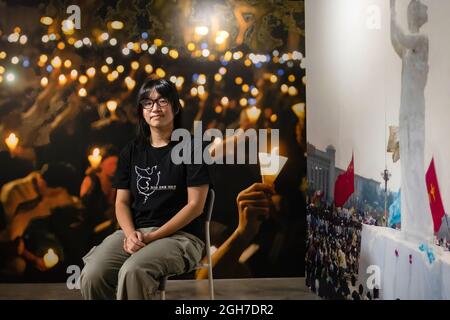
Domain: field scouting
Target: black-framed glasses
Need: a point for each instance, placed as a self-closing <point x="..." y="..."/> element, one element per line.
<point x="148" y="104"/>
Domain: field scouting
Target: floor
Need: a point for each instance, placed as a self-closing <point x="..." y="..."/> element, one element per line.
<point x="225" y="289"/>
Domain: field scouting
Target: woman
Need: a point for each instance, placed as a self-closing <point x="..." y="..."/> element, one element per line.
<point x="158" y="205"/>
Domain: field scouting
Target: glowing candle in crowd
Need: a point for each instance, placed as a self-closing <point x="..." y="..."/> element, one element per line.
<point x="299" y="110"/>
<point x="270" y="165"/>
<point x="112" y="106"/>
<point x="12" y="141"/>
<point x="50" y="258"/>
<point x="95" y="158"/>
<point x="253" y="114"/>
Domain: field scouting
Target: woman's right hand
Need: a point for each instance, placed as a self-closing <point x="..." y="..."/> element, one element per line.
<point x="133" y="242"/>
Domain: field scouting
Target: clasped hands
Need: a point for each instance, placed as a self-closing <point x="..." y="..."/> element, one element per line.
<point x="136" y="241"/>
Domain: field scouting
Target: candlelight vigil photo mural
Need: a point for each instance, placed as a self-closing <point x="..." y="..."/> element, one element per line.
<point x="103" y="105"/>
<point x="378" y="151"/>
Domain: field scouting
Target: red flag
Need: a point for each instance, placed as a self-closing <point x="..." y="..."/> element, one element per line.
<point x="436" y="205"/>
<point x="345" y="185"/>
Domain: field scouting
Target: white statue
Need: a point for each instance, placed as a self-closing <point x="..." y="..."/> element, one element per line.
<point x="416" y="219"/>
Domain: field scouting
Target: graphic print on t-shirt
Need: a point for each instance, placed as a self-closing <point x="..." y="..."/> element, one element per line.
<point x="147" y="180"/>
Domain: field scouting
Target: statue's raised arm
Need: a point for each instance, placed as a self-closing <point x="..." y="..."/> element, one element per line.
<point x="416" y="18"/>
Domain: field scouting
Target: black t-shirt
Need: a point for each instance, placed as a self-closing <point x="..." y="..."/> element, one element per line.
<point x="158" y="186"/>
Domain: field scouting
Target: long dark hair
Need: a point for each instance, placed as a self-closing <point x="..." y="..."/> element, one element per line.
<point x="167" y="90"/>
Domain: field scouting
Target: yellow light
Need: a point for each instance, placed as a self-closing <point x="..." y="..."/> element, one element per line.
<point x="71" y="40"/>
<point x="238" y="80"/>
<point x="247" y="62"/>
<point x="179" y="82"/>
<point x="273" y="118"/>
<point x="104" y="68"/>
<point x="103" y="37"/>
<point x="221" y="36"/>
<point x="14" y="60"/>
<point x="224" y="101"/>
<point x="82" y="92"/>
<point x="191" y="46"/>
<point x="222" y="70"/>
<point x="136" y="47"/>
<point x="237" y="55"/>
<point x="17" y="30"/>
<point x="2" y="55"/>
<point x="148" y="68"/>
<point x="201" y="90"/>
<point x="56" y="62"/>
<point x="194" y="92"/>
<point x="273" y="78"/>
<point x="254" y="92"/>
<point x="173" y="54"/>
<point x="91" y="72"/>
<point x="23" y="39"/>
<point x="46" y="20"/>
<point x="2" y="69"/>
<point x="292" y="91"/>
<point x="299" y="110"/>
<point x="120" y="68"/>
<point x="182" y="103"/>
<point x="201" y="30"/>
<point x="109" y="60"/>
<point x="62" y="79"/>
<point x="73" y="74"/>
<point x="117" y="25"/>
<point x="12" y="141"/>
<point x="218" y="109"/>
<point x="134" y="65"/>
<point x="158" y="42"/>
<point x="68" y="27"/>
<point x="115" y="74"/>
<point x="111" y="105"/>
<point x="304" y="80"/>
<point x="284" y="88"/>
<point x="205" y="53"/>
<point x="83" y="79"/>
<point x="227" y="56"/>
<point x="67" y="63"/>
<point x="1" y="79"/>
<point x="217" y="77"/>
<point x="61" y="45"/>
<point x="10" y="77"/>
<point x="253" y="114"/>
<point x="95" y="158"/>
<point x="291" y="78"/>
<point x="50" y="259"/>
<point x="130" y="83"/>
<point x="243" y="102"/>
<point x="245" y="88"/>
<point x="201" y="79"/>
<point x="160" y="73"/>
<point x="110" y="77"/>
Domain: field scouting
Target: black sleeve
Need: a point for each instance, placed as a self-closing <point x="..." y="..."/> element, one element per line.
<point x="123" y="173"/>
<point x="197" y="174"/>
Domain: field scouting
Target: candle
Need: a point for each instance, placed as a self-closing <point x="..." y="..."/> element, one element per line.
<point x="299" y="110"/>
<point x="253" y="114"/>
<point x="12" y="142"/>
<point x="270" y="165"/>
<point x="95" y="158"/>
<point x="50" y="258"/>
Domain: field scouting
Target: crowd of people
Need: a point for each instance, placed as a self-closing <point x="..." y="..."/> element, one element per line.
<point x="333" y="246"/>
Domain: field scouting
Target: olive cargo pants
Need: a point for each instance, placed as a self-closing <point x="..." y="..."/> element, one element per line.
<point x="111" y="273"/>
